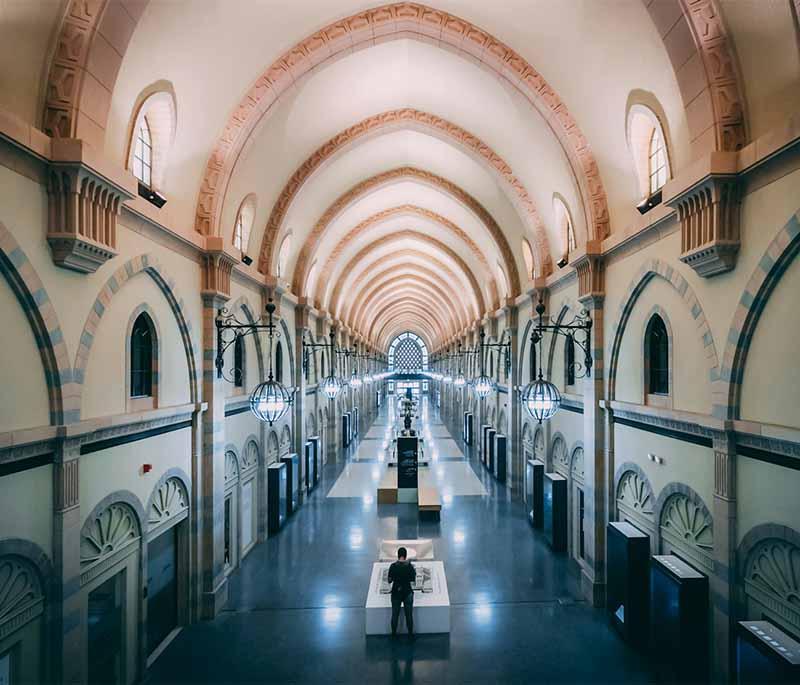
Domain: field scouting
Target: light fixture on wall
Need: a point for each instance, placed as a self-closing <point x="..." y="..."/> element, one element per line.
<point x="331" y="385"/>
<point x="541" y="397"/>
<point x="270" y="400"/>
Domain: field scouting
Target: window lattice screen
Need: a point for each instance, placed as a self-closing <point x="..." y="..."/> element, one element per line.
<point x="408" y="352"/>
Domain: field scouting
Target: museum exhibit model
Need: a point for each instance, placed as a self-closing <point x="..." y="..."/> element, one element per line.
<point x="431" y="598"/>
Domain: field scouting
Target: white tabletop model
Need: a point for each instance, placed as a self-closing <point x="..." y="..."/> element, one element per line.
<point x="431" y="600"/>
<point x="416" y="549"/>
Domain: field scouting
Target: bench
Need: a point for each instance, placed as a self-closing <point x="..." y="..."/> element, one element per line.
<point x="387" y="488"/>
<point x="429" y="501"/>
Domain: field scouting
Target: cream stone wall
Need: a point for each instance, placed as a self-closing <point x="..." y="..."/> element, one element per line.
<point x="768" y="494"/>
<point x="684" y="462"/>
<point x="120" y="467"/>
<point x="106" y="384"/>
<point x="25" y="513"/>
<point x="24" y="403"/>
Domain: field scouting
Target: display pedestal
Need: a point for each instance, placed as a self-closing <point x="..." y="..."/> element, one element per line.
<point x="628" y="581"/>
<point x="276" y="497"/>
<point x="535" y="492"/>
<point x="765" y="654"/>
<point x="431" y="609"/>
<point x="500" y="457"/>
<point x="407" y="469"/>
<point x="555" y="511"/>
<point x="420" y="549"/>
<point x="292" y="483"/>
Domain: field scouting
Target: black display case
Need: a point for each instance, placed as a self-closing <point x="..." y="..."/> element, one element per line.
<point x="485" y="428"/>
<point x="464" y="428"/>
<point x="354" y="426"/>
<point x="316" y="441"/>
<point x="489" y="463"/>
<point x="292" y="462"/>
<point x="628" y="581"/>
<point x="678" y="619"/>
<point x="308" y="459"/>
<point x="534" y="492"/>
<point x="407" y="453"/>
<point x="470" y="428"/>
<point x="500" y="457"/>
<point x="765" y="654"/>
<point x="276" y="497"/>
<point x="555" y="511"/>
<point x="345" y="430"/>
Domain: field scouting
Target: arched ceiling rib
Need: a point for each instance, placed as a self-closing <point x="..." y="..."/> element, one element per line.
<point x="309" y="249"/>
<point x="416" y="302"/>
<point x="406" y="319"/>
<point x="426" y="243"/>
<point x="406" y="289"/>
<point x="413" y="260"/>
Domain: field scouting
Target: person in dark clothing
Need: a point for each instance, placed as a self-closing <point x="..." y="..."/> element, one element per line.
<point x="401" y="575"/>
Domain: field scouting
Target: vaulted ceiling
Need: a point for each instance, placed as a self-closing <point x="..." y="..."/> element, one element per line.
<point x="407" y="150"/>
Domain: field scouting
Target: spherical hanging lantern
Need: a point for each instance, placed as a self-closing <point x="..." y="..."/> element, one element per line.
<point x="355" y="381"/>
<point x="484" y="385"/>
<point x="447" y="378"/>
<point x="331" y="387"/>
<point x="541" y="398"/>
<point x="269" y="401"/>
<point x="368" y="378"/>
<point x="459" y="381"/>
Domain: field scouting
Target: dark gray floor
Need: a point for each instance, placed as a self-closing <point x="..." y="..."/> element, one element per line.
<point x="296" y="609"/>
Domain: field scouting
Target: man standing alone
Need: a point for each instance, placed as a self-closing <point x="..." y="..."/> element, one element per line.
<point x="401" y="575"/>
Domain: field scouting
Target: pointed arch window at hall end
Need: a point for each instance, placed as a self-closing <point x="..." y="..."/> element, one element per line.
<point x="657" y="358"/>
<point x="142" y="356"/>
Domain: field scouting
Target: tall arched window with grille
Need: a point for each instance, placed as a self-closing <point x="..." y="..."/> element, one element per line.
<point x="657" y="372"/>
<point x="143" y="154"/>
<point x="142" y="356"/>
<point x="657" y="161"/>
<point x="279" y="362"/>
<point x="408" y="352"/>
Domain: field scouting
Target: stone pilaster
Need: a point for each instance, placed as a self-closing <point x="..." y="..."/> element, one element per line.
<point x="68" y="627"/>
<point x="216" y="279"/>
<point x="591" y="294"/>
<point x="722" y="583"/>
<point x="516" y="469"/>
<point x="299" y="407"/>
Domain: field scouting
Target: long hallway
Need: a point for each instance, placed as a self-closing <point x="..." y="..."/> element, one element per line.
<point x="296" y="606"/>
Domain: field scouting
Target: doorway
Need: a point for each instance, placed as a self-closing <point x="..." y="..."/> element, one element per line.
<point x="162" y="588"/>
<point x="106" y="626"/>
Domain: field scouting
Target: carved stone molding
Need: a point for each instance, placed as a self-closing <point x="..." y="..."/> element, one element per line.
<point x="591" y="276"/>
<point x="708" y="213"/>
<point x="83" y="206"/>
<point x="21" y="594"/>
<point x="217" y="268"/>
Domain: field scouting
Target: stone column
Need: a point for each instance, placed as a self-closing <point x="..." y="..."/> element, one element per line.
<point x="216" y="281"/>
<point x="722" y="583"/>
<point x="299" y="406"/>
<point x="517" y="457"/>
<point x="591" y="294"/>
<point x="68" y="634"/>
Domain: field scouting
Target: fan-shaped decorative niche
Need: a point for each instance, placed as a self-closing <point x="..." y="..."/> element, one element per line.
<point x="169" y="503"/>
<point x="772" y="582"/>
<point x="273" y="449"/>
<point x="560" y="456"/>
<point x="111" y="536"/>
<point x="231" y="469"/>
<point x="577" y="471"/>
<point x="250" y="455"/>
<point x="686" y="528"/>
<point x="538" y="445"/>
<point x="635" y="500"/>
<point x="21" y="595"/>
<point x="286" y="442"/>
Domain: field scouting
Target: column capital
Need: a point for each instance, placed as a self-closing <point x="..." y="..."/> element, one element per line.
<point x="591" y="274"/>
<point x="216" y="271"/>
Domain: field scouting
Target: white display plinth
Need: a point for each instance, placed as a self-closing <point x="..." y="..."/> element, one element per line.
<point x="431" y="609"/>
<point x="416" y="549"/>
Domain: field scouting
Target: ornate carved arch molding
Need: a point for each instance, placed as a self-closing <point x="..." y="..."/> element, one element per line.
<point x="143" y="263"/>
<point x="232" y="468"/>
<point x="441" y="266"/>
<point x="380" y="180"/>
<point x="559" y="454"/>
<point x="67" y="113"/>
<point x="396" y="21"/>
<point x="718" y="120"/>
<point x="424" y="239"/>
<point x="43" y="320"/>
<point x="770" y="269"/>
<point x="399" y="119"/>
<point x="649" y="270"/>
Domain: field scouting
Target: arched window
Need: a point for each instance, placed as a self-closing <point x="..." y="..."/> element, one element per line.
<point x="238" y="362"/>
<point x="283" y="256"/>
<point x="408" y="351"/>
<point x="279" y="362"/>
<point x="657" y="162"/>
<point x="143" y="154"/>
<point x="527" y="255"/>
<point x="564" y="222"/>
<point x="569" y="360"/>
<point x="142" y="356"/>
<point x="244" y="222"/>
<point x="649" y="148"/>
<point x="657" y="356"/>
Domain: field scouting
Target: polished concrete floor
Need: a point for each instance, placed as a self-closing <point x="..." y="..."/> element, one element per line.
<point x="296" y="608"/>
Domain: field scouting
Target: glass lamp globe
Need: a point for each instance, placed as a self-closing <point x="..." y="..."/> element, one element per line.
<point x="269" y="401"/>
<point x="447" y="378"/>
<point x="368" y="378"/>
<point x="484" y="385"/>
<point x="459" y="381"/>
<point x="331" y="387"/>
<point x="541" y="398"/>
<point x="355" y="381"/>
